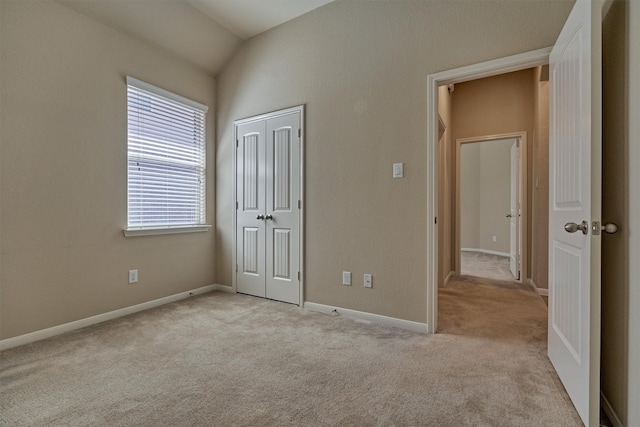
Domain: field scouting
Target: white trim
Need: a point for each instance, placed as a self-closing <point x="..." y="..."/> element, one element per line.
<point x="485" y="69"/>
<point x="88" y="321"/>
<point x="131" y="81"/>
<point x="448" y="278"/>
<point x="613" y="417"/>
<point x="224" y="288"/>
<point x="485" y="251"/>
<point x="369" y="317"/>
<point x="155" y="231"/>
<point x="540" y="291"/>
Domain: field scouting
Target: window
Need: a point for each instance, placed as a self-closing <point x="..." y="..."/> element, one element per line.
<point x="166" y="160"/>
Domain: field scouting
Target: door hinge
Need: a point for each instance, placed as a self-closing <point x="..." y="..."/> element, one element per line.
<point x="237" y="143"/>
<point x="298" y="276"/>
<point x="236" y="267"/>
<point x="435" y="221"/>
<point x="299" y="204"/>
<point x="299" y="133"/>
<point x="236" y="205"/>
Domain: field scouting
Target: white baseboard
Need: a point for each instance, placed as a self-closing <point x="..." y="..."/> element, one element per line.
<point x="486" y="251"/>
<point x="448" y="278"/>
<point x="613" y="417"/>
<point x="369" y="317"/>
<point x="88" y="321"/>
<point x="224" y="288"/>
<point x="541" y="291"/>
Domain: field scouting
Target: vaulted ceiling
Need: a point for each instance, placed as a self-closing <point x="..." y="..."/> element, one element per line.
<point x="204" y="32"/>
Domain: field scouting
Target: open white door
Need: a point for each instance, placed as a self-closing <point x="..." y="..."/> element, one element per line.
<point x="514" y="212"/>
<point x="575" y="203"/>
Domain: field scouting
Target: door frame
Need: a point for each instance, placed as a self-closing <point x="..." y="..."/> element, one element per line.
<point x="234" y="204"/>
<point x="523" y="190"/>
<point x="458" y="75"/>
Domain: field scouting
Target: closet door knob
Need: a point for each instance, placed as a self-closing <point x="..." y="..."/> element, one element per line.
<point x="268" y="217"/>
<point x="260" y="217"/>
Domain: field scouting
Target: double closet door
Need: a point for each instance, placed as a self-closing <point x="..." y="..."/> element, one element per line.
<point x="268" y="205"/>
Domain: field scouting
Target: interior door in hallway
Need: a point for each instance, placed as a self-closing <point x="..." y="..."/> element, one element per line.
<point x="575" y="176"/>
<point x="268" y="189"/>
<point x="514" y="212"/>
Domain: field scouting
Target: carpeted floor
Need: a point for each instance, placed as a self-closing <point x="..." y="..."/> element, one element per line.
<point x="231" y="360"/>
<point x="489" y="266"/>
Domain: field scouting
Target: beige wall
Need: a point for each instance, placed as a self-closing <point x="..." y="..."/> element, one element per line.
<point x="361" y="69"/>
<point x="540" y="185"/>
<point x="633" y="213"/>
<point x="496" y="105"/>
<point x="63" y="167"/>
<point x="444" y="186"/>
<point x="470" y="195"/>
<point x="615" y="262"/>
<point x="485" y="195"/>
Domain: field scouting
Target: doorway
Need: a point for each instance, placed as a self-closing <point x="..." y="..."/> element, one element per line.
<point x="435" y="83"/>
<point x="491" y="206"/>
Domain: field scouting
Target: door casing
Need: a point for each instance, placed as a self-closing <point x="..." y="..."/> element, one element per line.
<point x="523" y="242"/>
<point x="472" y="72"/>
<point x="299" y="109"/>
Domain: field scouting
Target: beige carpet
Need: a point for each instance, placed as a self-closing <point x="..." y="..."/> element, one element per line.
<point x="489" y="266"/>
<point x="233" y="360"/>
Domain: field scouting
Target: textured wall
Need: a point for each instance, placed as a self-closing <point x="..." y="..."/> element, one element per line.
<point x="361" y="69"/>
<point x="615" y="169"/>
<point x="63" y="167"/>
<point x="444" y="186"/>
<point x="540" y="185"/>
<point x="470" y="190"/>
<point x="633" y="212"/>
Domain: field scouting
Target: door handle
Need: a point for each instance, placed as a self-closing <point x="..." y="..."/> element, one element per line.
<point x="610" y="228"/>
<point x="260" y="217"/>
<point x="268" y="217"/>
<point x="572" y="227"/>
<point x="509" y="215"/>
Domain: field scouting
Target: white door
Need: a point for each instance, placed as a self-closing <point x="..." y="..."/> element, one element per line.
<point x="283" y="190"/>
<point x="575" y="199"/>
<point x="251" y="202"/>
<point x="268" y="206"/>
<point x="514" y="212"/>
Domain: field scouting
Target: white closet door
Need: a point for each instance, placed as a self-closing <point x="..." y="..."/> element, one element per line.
<point x="282" y="219"/>
<point x="268" y="212"/>
<point x="250" y="237"/>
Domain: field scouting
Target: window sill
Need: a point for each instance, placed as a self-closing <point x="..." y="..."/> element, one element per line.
<point x="154" y="231"/>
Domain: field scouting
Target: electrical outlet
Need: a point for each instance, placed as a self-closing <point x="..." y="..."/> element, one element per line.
<point x="133" y="276"/>
<point x="368" y="281"/>
<point x="494" y="238"/>
<point x="346" y="278"/>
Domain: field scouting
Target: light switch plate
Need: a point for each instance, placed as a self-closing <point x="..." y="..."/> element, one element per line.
<point x="398" y="170"/>
<point x="346" y="278"/>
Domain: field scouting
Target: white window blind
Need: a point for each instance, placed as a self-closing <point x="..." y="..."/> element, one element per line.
<point x="166" y="155"/>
